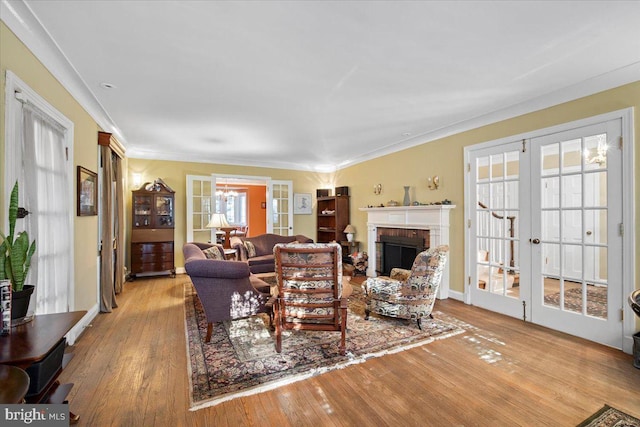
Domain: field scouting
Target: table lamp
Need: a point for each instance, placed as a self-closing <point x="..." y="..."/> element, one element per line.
<point x="219" y="221"/>
<point x="350" y="231"/>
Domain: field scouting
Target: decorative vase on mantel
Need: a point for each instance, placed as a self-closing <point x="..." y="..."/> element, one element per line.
<point x="407" y="200"/>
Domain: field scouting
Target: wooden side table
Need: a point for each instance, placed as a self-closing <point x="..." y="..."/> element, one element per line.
<point x="34" y="347"/>
<point x="349" y="247"/>
<point x="14" y="383"/>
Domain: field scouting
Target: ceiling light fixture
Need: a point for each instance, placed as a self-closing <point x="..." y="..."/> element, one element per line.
<point x="226" y="193"/>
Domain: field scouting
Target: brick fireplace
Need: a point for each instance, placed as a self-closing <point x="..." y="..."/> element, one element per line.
<point x="401" y="224"/>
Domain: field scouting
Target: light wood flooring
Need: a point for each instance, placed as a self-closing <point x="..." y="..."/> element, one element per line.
<point x="130" y="369"/>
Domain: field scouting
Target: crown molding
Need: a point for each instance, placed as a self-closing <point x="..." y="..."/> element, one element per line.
<point x="20" y="19"/>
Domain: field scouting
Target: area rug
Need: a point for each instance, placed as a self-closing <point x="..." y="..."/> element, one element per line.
<point x="610" y="417"/>
<point x="241" y="359"/>
<point x="596" y="300"/>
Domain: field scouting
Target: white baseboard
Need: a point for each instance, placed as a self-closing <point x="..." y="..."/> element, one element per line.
<point x="79" y="327"/>
<point x="456" y="295"/>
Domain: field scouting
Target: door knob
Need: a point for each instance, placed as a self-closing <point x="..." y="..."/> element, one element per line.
<point x="535" y="241"/>
<point x="589" y="233"/>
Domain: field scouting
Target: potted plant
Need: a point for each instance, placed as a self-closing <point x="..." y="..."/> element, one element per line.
<point x="15" y="260"/>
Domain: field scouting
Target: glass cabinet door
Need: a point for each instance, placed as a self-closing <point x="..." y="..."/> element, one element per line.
<point x="164" y="211"/>
<point x="142" y="211"/>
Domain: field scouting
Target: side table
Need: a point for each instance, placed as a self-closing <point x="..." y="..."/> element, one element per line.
<point x="38" y="348"/>
<point x="14" y="383"/>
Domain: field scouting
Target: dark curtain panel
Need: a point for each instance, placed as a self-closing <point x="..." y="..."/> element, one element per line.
<point x="107" y="287"/>
<point x="119" y="225"/>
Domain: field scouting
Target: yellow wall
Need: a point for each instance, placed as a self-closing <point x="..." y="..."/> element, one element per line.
<point x="16" y="57"/>
<point x="174" y="174"/>
<point x="445" y="157"/>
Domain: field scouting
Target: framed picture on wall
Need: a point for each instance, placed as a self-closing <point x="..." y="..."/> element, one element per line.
<point x="302" y="203"/>
<point x="87" y="192"/>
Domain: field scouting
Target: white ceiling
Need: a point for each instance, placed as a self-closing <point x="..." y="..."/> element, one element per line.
<point x="323" y="84"/>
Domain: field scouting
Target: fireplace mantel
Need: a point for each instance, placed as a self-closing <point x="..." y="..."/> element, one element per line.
<point x="434" y="218"/>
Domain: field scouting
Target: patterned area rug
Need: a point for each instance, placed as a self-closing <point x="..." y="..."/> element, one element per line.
<point x="596" y="300"/>
<point x="610" y="417"/>
<point x="241" y="358"/>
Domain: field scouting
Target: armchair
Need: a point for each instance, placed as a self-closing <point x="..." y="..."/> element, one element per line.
<point x="408" y="294"/>
<point x="310" y="290"/>
<point x="226" y="289"/>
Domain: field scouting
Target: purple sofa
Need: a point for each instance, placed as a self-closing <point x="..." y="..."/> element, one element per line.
<point x="262" y="261"/>
<point x="227" y="289"/>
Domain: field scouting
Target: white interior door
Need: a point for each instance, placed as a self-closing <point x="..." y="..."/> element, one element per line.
<point x="496" y="218"/>
<point x="576" y="244"/>
<point x="200" y="207"/>
<point x="280" y="208"/>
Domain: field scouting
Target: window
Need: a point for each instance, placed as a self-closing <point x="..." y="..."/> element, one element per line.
<point x="233" y="203"/>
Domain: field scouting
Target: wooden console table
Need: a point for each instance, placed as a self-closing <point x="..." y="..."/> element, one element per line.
<point x="31" y="343"/>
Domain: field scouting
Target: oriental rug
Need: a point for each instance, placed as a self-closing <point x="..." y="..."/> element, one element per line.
<point x="610" y="417"/>
<point x="241" y="359"/>
<point x="596" y="300"/>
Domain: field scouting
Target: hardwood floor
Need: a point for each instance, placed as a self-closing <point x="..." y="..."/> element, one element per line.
<point x="130" y="369"/>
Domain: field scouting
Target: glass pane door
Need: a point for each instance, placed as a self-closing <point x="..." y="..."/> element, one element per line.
<point x="281" y="215"/>
<point x="495" y="228"/>
<point x="576" y="248"/>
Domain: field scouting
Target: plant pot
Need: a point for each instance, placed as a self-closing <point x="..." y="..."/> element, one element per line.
<point x="20" y="302"/>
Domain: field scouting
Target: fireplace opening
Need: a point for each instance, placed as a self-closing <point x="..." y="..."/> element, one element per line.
<point x="398" y="251"/>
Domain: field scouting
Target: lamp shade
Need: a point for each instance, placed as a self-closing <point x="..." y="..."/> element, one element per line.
<point x="218" y="220"/>
<point x="350" y="229"/>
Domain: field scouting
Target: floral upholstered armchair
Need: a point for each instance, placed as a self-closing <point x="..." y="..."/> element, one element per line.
<point x="408" y="294"/>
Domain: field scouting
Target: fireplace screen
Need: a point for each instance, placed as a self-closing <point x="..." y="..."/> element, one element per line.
<point x="397" y="251"/>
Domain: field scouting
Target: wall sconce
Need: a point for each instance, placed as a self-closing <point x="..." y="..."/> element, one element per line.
<point x="136" y="181"/>
<point x="433" y="182"/>
<point x="377" y="189"/>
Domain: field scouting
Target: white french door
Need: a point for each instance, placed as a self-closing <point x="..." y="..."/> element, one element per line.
<point x="280" y="208"/>
<point x="576" y="244"/>
<point x="496" y="279"/>
<point x="545" y="241"/>
<point x="200" y="207"/>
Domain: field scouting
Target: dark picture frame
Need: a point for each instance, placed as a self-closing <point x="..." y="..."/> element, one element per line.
<point x="87" y="192"/>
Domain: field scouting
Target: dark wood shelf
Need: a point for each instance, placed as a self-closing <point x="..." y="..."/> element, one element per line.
<point x="330" y="226"/>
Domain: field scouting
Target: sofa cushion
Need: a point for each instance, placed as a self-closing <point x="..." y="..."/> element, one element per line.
<point x="264" y="259"/>
<point x="213" y="253"/>
<point x="251" y="248"/>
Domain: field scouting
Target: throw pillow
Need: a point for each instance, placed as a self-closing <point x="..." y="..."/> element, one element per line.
<point x="251" y="249"/>
<point x="213" y="252"/>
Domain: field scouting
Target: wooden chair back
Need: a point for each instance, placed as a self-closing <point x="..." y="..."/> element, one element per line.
<point x="310" y="296"/>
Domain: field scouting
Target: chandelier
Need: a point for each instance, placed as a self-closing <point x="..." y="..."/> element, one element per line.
<point x="226" y="193"/>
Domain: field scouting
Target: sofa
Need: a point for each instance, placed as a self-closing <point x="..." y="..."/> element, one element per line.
<point x="226" y="289"/>
<point x="257" y="251"/>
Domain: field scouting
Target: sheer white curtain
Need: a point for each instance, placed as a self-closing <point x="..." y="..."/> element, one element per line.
<point x="46" y="193"/>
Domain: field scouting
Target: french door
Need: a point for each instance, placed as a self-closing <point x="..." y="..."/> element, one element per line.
<point x="576" y="243"/>
<point x="544" y="230"/>
<point x="496" y="279"/>
<point x="280" y="211"/>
